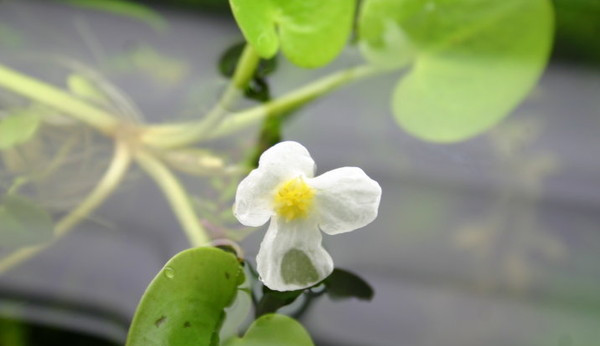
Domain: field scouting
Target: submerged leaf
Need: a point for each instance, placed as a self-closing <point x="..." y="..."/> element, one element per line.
<point x="18" y="128"/>
<point x="184" y="304"/>
<point x="310" y="33"/>
<point x="22" y="223"/>
<point x="274" y="330"/>
<point x="474" y="60"/>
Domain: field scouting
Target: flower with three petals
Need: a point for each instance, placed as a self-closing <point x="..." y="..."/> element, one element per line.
<point x="283" y="189"/>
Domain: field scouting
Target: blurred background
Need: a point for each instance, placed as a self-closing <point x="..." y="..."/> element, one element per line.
<point x="491" y="241"/>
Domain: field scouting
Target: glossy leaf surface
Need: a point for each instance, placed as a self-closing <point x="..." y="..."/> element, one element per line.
<point x="184" y="304"/>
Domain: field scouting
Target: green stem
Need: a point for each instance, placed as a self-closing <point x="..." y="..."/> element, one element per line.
<point x="188" y="133"/>
<point x="244" y="71"/>
<point x="107" y="185"/>
<point x="178" y="199"/>
<point x="292" y="100"/>
<point x="58" y="99"/>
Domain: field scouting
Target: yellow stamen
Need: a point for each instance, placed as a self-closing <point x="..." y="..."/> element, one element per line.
<point x="293" y="199"/>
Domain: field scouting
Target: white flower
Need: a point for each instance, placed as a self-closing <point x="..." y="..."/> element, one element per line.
<point x="283" y="188"/>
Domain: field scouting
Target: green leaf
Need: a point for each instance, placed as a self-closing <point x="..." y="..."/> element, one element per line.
<point x="343" y="284"/>
<point x="271" y="301"/>
<point x="125" y="8"/>
<point x="22" y="223"/>
<point x="310" y="33"/>
<point x="18" y="128"/>
<point x="85" y="88"/>
<point x="230" y="57"/>
<point x="257" y="88"/>
<point x="184" y="304"/>
<point x="274" y="330"/>
<point x="474" y="60"/>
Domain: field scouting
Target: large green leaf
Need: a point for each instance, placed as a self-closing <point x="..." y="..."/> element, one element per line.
<point x="184" y="304"/>
<point x="474" y="60"/>
<point x="310" y="33"/>
<point x="18" y="127"/>
<point x="274" y="330"/>
<point x="22" y="223"/>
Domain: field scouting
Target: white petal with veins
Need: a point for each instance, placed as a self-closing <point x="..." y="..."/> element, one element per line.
<point x="345" y="199"/>
<point x="291" y="256"/>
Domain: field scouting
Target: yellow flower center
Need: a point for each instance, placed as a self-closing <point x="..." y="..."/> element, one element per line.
<point x="293" y="199"/>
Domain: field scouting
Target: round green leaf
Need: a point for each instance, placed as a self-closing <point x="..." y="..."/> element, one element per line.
<point x="18" y="127"/>
<point x="474" y="60"/>
<point x="184" y="304"/>
<point x="274" y="330"/>
<point x="310" y="33"/>
<point x="22" y="223"/>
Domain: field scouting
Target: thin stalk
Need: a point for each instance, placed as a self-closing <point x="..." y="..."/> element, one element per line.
<point x="244" y="71"/>
<point x="292" y="100"/>
<point x="179" y="200"/>
<point x="107" y="185"/>
<point x="58" y="99"/>
<point x="186" y="134"/>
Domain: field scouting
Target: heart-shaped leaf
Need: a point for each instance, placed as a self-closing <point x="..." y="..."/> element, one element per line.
<point x="184" y="304"/>
<point x="18" y="127"/>
<point x="310" y="33"/>
<point x="22" y="223"/>
<point x="474" y="60"/>
<point x="274" y="330"/>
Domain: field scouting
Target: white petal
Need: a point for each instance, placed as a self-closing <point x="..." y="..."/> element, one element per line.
<point x="254" y="197"/>
<point x="291" y="256"/>
<point x="290" y="158"/>
<point x="345" y="199"/>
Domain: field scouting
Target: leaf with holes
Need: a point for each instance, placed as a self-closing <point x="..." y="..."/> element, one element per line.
<point x="184" y="304"/>
<point x="310" y="33"/>
<point x="473" y="61"/>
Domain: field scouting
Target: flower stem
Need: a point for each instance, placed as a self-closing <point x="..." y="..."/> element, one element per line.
<point x="107" y="185"/>
<point x="58" y="99"/>
<point x="178" y="199"/>
<point x="174" y="135"/>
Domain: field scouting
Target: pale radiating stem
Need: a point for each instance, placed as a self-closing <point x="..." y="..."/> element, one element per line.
<point x="175" y="135"/>
<point x="58" y="99"/>
<point x="178" y="198"/>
